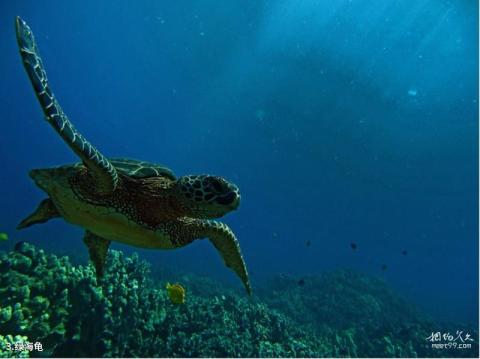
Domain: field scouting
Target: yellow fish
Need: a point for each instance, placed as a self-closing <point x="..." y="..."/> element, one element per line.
<point x="3" y="236"/>
<point x="176" y="293"/>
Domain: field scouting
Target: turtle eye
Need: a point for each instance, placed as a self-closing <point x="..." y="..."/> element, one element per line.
<point x="228" y="199"/>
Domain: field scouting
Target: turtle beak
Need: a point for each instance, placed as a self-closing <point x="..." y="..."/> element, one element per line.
<point x="237" y="197"/>
<point x="231" y="199"/>
<point x="236" y="202"/>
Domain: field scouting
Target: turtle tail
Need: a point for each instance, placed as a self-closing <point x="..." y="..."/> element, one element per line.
<point x="98" y="165"/>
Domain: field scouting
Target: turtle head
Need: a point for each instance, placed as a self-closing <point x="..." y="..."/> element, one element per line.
<point x="208" y="196"/>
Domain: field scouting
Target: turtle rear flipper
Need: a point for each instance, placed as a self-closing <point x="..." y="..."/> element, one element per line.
<point x="99" y="166"/>
<point x="45" y="211"/>
<point x="97" y="249"/>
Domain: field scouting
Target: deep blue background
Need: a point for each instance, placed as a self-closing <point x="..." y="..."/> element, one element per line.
<point x="341" y="121"/>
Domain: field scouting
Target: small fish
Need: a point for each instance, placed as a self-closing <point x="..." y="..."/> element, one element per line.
<point x="3" y="236"/>
<point x="384" y="267"/>
<point x="308" y="243"/>
<point x="301" y="282"/>
<point x="404" y="252"/>
<point x="176" y="293"/>
<point x="353" y="246"/>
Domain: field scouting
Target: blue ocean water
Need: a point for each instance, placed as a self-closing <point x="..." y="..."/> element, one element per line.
<point x="341" y="122"/>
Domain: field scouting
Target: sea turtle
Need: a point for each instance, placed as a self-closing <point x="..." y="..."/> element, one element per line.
<point x="134" y="202"/>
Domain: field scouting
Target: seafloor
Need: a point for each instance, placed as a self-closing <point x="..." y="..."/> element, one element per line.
<point x="45" y="299"/>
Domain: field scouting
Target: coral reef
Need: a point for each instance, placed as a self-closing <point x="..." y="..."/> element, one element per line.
<point x="9" y="347"/>
<point x="46" y="299"/>
<point x="358" y="315"/>
<point x="51" y="301"/>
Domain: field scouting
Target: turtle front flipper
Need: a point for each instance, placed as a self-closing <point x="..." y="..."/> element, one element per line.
<point x="97" y="249"/>
<point x="99" y="166"/>
<point x="227" y="245"/>
<point x="45" y="211"/>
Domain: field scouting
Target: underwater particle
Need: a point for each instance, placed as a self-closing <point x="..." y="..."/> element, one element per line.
<point x="3" y="236"/>
<point x="404" y="252"/>
<point x="412" y="92"/>
<point x="308" y="243"/>
<point x="260" y="115"/>
<point x="176" y="293"/>
<point x="384" y="267"/>
<point x="301" y="282"/>
<point x="274" y="235"/>
<point x="353" y="246"/>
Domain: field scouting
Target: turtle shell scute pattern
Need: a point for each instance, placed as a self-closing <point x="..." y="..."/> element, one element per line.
<point x="141" y="169"/>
